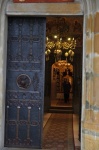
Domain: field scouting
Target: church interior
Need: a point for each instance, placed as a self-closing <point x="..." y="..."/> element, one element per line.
<point x="67" y="23"/>
<point x="63" y="59"/>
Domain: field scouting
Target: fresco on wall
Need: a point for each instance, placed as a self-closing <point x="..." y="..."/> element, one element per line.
<point x="65" y="27"/>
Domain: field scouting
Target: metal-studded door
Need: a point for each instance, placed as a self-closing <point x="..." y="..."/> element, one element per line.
<point x="25" y="81"/>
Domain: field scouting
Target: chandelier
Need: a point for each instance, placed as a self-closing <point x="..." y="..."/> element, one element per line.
<point x="59" y="45"/>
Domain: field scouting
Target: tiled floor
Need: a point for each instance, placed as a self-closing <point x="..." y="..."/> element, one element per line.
<point x="58" y="133"/>
<point x="60" y="103"/>
<point x="75" y="127"/>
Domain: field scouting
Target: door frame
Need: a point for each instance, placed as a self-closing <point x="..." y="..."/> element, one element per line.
<point x="10" y="9"/>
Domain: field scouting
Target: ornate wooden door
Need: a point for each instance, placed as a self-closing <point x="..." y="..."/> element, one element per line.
<point x="25" y="82"/>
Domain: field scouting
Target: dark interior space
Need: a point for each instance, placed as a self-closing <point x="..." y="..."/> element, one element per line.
<point x="64" y="28"/>
<point x="68" y="27"/>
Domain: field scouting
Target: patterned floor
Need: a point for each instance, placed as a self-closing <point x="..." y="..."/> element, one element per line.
<point x="58" y="132"/>
<point x="77" y="148"/>
<point x="62" y="103"/>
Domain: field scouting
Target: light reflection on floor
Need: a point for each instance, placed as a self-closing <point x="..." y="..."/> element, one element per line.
<point x="61" y="103"/>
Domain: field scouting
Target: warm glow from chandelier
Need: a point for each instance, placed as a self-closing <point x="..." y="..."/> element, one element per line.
<point x="58" y="45"/>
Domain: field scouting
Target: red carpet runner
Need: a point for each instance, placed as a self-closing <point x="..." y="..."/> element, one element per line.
<point x="58" y="132"/>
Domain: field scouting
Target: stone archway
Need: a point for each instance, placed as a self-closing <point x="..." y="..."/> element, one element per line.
<point x="90" y="104"/>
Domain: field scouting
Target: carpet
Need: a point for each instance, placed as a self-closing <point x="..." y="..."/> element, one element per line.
<point x="77" y="148"/>
<point x="62" y="103"/>
<point x="58" y="132"/>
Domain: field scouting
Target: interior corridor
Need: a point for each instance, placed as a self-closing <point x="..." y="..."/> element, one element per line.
<point x="59" y="106"/>
<point x="75" y="128"/>
<point x="63" y="60"/>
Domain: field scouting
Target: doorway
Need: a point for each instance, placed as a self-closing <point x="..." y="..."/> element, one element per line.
<point x="64" y="27"/>
<point x="78" y="8"/>
<point x="60" y="29"/>
<point x="13" y="96"/>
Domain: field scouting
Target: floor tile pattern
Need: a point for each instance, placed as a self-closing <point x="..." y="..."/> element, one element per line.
<point x="58" y="132"/>
<point x="77" y="148"/>
<point x="64" y="104"/>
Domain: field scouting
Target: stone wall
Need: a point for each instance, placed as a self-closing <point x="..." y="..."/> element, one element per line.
<point x="90" y="102"/>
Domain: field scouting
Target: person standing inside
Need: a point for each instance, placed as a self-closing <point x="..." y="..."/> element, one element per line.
<point x="66" y="89"/>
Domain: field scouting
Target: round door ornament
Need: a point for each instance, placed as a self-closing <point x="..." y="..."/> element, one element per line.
<point x="23" y="81"/>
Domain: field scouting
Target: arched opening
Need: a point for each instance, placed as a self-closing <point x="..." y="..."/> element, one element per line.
<point x="3" y="48"/>
<point x="57" y="70"/>
<point x="60" y="71"/>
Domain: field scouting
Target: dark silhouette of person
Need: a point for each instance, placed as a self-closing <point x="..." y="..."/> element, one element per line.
<point x="66" y="89"/>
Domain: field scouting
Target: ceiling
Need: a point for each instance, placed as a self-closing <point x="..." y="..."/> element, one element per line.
<point x="64" y="27"/>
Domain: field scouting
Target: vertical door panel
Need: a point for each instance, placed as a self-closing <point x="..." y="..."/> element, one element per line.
<point x="25" y="82"/>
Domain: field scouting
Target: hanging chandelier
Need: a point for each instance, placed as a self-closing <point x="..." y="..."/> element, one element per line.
<point x="59" y="45"/>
